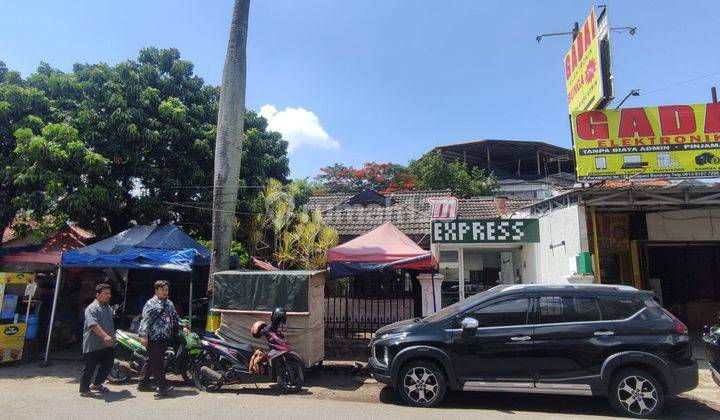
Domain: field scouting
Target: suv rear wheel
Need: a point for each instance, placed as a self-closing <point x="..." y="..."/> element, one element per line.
<point x="636" y="393"/>
<point x="421" y="384"/>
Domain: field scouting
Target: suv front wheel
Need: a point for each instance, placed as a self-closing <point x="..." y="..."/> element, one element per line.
<point x="636" y="393"/>
<point x="421" y="384"/>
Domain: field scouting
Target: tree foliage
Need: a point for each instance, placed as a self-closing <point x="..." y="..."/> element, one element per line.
<point x="153" y="123"/>
<point x="56" y="174"/>
<point x="432" y="172"/>
<point x="382" y="177"/>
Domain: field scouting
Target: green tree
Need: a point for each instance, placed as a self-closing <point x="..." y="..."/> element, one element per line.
<point x="154" y="121"/>
<point x="21" y="106"/>
<point x="432" y="172"/>
<point x="57" y="175"/>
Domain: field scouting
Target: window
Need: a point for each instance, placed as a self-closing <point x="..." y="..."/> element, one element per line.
<point x="555" y="309"/>
<point x="508" y="312"/>
<point x="621" y="308"/>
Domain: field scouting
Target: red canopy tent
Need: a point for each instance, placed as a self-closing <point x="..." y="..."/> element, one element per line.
<point x="383" y="247"/>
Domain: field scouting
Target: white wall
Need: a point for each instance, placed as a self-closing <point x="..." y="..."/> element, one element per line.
<point x="684" y="225"/>
<point x="543" y="265"/>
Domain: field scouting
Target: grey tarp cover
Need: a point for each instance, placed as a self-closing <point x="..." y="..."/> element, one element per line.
<point x="262" y="290"/>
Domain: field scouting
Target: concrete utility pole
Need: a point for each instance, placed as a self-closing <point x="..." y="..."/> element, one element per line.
<point x="228" y="143"/>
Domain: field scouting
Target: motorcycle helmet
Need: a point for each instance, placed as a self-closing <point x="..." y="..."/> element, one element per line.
<point x="256" y="329"/>
<point x="279" y="316"/>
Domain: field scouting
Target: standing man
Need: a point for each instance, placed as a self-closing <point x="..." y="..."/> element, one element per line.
<point x="158" y="324"/>
<point x="98" y="341"/>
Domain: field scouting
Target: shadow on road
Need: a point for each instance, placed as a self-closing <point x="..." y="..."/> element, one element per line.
<point x="675" y="407"/>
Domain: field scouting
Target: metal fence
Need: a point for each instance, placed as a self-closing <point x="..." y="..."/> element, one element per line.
<point x="356" y="307"/>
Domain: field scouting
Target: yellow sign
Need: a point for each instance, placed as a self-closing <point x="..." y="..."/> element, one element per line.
<point x="675" y="141"/>
<point x="583" y="74"/>
<point x="16" y="278"/>
<point x="12" y="340"/>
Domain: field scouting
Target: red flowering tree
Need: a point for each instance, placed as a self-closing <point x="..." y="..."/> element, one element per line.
<point x="382" y="177"/>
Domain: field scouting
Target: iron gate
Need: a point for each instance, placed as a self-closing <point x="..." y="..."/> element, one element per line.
<point x="356" y="307"/>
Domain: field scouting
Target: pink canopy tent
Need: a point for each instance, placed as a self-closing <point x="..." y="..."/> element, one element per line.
<point x="382" y="247"/>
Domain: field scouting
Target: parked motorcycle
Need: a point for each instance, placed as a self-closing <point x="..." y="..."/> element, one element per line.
<point x="711" y="337"/>
<point x="226" y="362"/>
<point x="131" y="357"/>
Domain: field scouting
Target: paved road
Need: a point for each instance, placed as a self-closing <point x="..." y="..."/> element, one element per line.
<point x="25" y="394"/>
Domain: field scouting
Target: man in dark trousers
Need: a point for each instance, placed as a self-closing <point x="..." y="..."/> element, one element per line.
<point x="158" y="324"/>
<point x="98" y="342"/>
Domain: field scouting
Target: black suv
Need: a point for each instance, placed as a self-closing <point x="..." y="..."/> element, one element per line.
<point x="613" y="341"/>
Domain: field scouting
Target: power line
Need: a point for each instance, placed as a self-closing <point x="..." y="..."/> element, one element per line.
<point x="208" y="208"/>
<point x="680" y="83"/>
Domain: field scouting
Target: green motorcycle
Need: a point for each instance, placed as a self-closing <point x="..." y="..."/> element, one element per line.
<point x="131" y="357"/>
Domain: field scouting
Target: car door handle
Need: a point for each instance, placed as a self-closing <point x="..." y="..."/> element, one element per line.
<point x="603" y="333"/>
<point x="520" y="338"/>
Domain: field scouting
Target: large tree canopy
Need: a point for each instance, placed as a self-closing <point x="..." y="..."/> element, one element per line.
<point x="151" y="120"/>
<point x="432" y="172"/>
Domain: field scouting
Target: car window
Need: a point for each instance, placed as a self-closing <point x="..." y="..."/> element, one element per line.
<point x="555" y="309"/>
<point x="621" y="308"/>
<point x="507" y="312"/>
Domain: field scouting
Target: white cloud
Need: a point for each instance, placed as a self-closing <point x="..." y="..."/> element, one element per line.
<point x="299" y="127"/>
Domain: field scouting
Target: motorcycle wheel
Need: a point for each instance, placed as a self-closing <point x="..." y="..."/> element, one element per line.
<point x="118" y="374"/>
<point x="290" y="376"/>
<point x="200" y="382"/>
<point x="188" y="373"/>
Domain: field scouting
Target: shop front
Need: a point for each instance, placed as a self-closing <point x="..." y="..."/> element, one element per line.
<point x="476" y="255"/>
<point x="664" y="238"/>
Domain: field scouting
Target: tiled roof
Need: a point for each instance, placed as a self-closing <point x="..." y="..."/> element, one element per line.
<point x="408" y="211"/>
<point x="9" y="234"/>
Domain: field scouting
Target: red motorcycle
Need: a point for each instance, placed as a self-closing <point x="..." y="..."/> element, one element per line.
<point x="225" y="362"/>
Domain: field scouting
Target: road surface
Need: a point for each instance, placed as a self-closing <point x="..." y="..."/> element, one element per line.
<point x="31" y="392"/>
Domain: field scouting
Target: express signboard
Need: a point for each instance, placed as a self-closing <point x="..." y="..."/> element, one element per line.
<point x="587" y="68"/>
<point x="486" y="231"/>
<point x="675" y="141"/>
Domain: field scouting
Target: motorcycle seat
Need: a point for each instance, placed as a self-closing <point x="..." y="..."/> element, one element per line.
<point x="132" y="335"/>
<point x="242" y="347"/>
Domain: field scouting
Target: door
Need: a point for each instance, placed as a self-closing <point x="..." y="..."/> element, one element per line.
<point x="571" y="342"/>
<point x="499" y="353"/>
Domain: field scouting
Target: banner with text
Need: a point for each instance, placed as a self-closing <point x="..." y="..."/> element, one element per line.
<point x="583" y="68"/>
<point x="485" y="231"/>
<point x="675" y="141"/>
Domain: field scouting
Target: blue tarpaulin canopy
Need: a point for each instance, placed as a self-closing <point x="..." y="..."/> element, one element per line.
<point x="153" y="247"/>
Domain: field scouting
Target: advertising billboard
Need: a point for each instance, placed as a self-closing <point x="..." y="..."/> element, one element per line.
<point x="673" y="141"/>
<point x="587" y="78"/>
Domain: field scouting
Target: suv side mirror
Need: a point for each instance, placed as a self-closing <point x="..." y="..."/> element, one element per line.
<point x="469" y="325"/>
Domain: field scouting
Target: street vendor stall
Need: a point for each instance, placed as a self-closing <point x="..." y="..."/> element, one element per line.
<point x="14" y="327"/>
<point x="243" y="297"/>
<point x="164" y="248"/>
<point x="382" y="248"/>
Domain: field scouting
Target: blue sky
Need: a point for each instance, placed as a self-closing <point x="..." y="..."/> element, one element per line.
<point x="386" y="80"/>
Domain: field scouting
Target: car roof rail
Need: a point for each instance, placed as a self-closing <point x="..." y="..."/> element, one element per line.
<point x="618" y="287"/>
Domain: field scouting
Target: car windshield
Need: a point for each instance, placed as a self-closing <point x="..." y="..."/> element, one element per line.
<point x="458" y="307"/>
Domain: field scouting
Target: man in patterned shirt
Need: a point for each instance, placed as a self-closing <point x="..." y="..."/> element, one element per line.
<point x="159" y="322"/>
